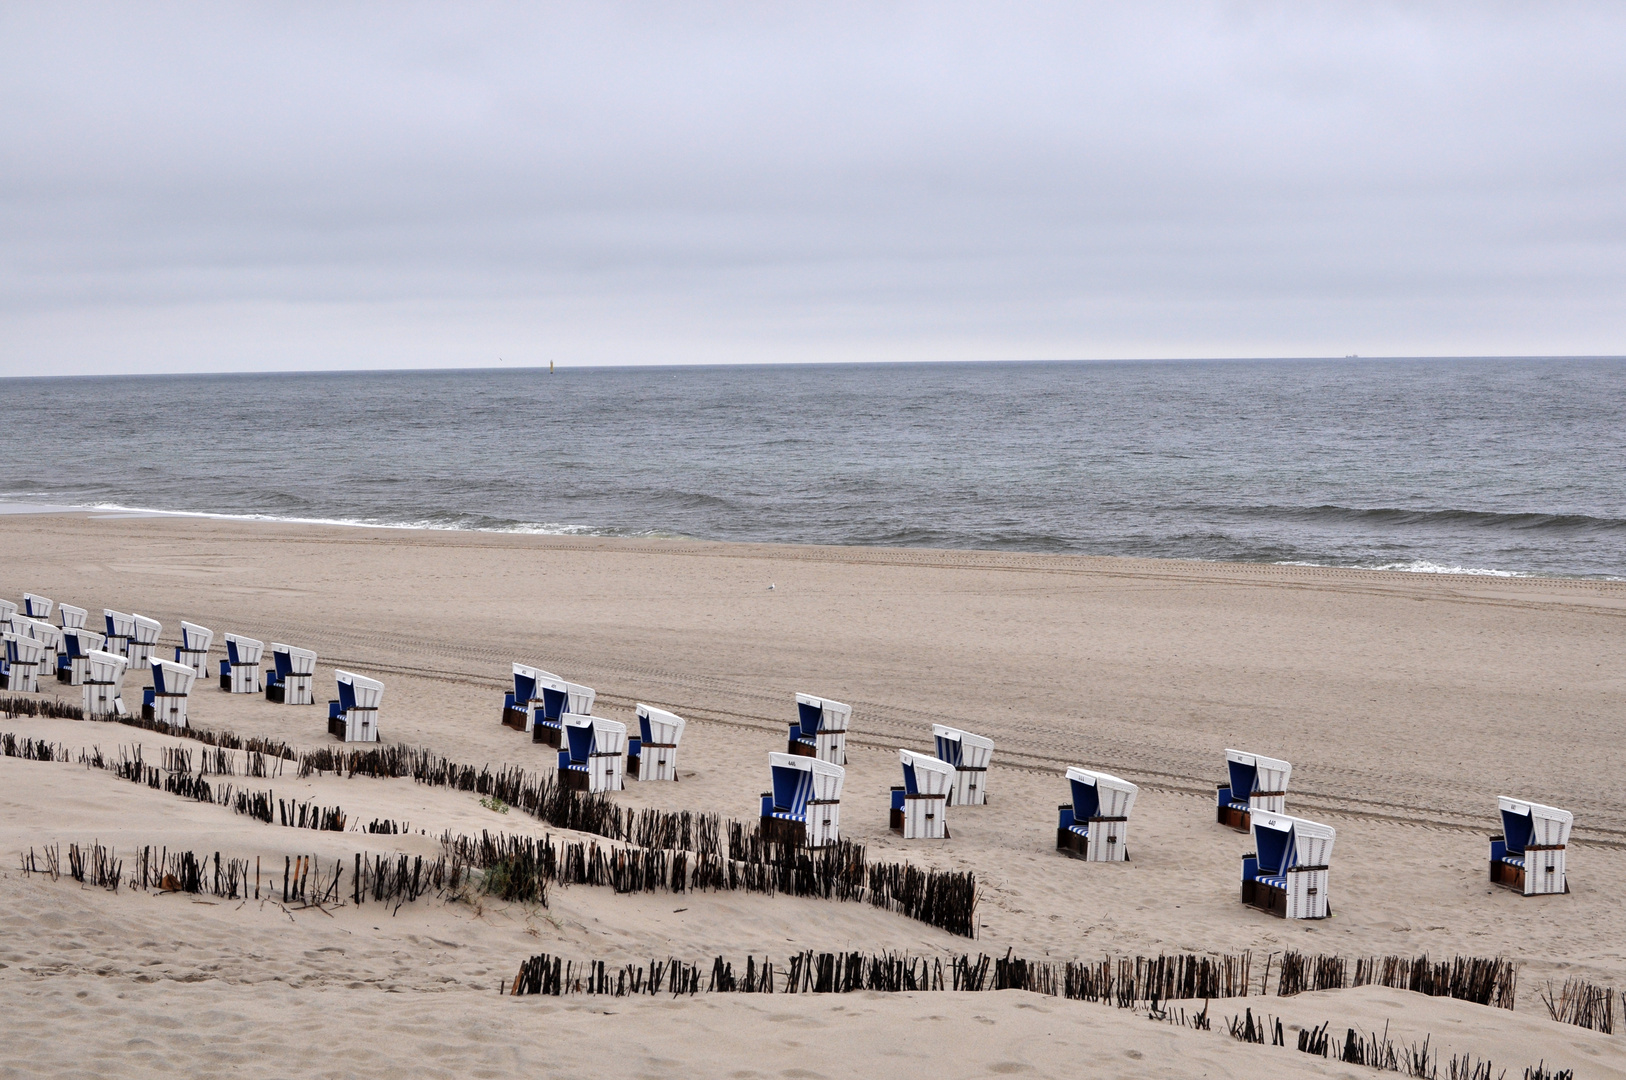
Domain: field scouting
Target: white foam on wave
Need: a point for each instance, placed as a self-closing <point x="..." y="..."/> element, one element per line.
<point x="1419" y="566"/>
<point x="531" y="528"/>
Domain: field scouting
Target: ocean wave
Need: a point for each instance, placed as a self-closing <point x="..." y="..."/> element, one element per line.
<point x="1416" y="566"/>
<point x="439" y="523"/>
<point x="1393" y="516"/>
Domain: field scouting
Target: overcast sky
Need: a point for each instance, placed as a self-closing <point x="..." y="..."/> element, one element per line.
<point x="232" y="187"/>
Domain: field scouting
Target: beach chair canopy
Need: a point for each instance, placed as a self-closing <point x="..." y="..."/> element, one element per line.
<point x="798" y="780"/>
<point x="609" y="736"/>
<point x="7" y="610"/>
<point x="118" y="623"/>
<point x="589" y="735"/>
<point x="358" y="691"/>
<point x="48" y="637"/>
<point x="106" y="667"/>
<point x="1526" y="823"/>
<point x="925" y="775"/>
<point x="1100" y="795"/>
<point x="553" y="692"/>
<point x="146" y="630"/>
<point x="171" y="678"/>
<point x="1284" y="843"/>
<point x="292" y="661"/>
<point x="526" y="682"/>
<point x="1255" y="772"/>
<point x="243" y="650"/>
<point x="816" y="714"/>
<point x="70" y="617"/>
<point x="659" y="727"/>
<point x="81" y="643"/>
<point x="579" y="699"/>
<point x="36" y="607"/>
<point x="962" y="749"/>
<point x="23" y="650"/>
<point x="195" y="638"/>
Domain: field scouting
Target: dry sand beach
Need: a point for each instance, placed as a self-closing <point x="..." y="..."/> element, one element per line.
<point x="1405" y="702"/>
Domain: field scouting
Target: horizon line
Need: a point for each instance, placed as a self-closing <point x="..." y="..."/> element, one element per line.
<point x="486" y="369"/>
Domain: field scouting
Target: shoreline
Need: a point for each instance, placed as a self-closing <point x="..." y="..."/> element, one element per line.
<point x="944" y="557"/>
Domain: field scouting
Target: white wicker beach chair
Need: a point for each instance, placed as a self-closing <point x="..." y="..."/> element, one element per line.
<point x="970" y="755"/>
<point x="36" y="607"/>
<point x="103" y="682"/>
<point x="1528" y="855"/>
<point x="292" y="673"/>
<point x="71" y="618"/>
<point x="550" y="701"/>
<point x="7" y="610"/>
<point x="48" y="637"/>
<point x="171" y="686"/>
<point x="77" y="645"/>
<point x="804" y="807"/>
<point x="240" y="671"/>
<point x="920" y="806"/>
<point x="520" y="705"/>
<point x="354" y="717"/>
<point x="1258" y="784"/>
<point x="1095" y="825"/>
<point x="25" y="655"/>
<point x="120" y="631"/>
<point x="594" y="753"/>
<point x="194" y="648"/>
<point x="1286" y="874"/>
<point x="821" y="729"/>
<point x="144" y="642"/>
<point x="653" y="754"/>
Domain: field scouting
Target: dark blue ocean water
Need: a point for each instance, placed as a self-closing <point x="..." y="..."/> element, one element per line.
<point x="1514" y="466"/>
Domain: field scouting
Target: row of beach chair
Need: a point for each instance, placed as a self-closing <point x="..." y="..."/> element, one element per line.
<point x="594" y="752"/>
<point x="1286" y="873"/>
<point x="99" y="660"/>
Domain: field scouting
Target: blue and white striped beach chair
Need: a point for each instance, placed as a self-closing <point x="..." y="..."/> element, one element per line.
<point x="104" y="680"/>
<point x="594" y="754"/>
<point x="171" y="686"/>
<point x="1529" y="854"/>
<point x="193" y="650"/>
<point x="77" y="645"/>
<point x="1095" y="825"/>
<point x="240" y="671"/>
<point x="652" y="755"/>
<point x="1258" y="784"/>
<point x="920" y="806"/>
<point x="1286" y="874"/>
<point x="820" y="730"/>
<point x="291" y="676"/>
<point x="354" y="717"/>
<point x="804" y="807"/>
<point x="970" y="755"/>
<point x="120" y="630"/>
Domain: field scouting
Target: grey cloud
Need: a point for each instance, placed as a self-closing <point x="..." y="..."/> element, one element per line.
<point x="192" y="188"/>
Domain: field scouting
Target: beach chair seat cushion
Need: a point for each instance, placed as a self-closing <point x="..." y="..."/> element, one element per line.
<point x="788" y="815"/>
<point x="1514" y="860"/>
<point x="1276" y="880"/>
<point x="1080" y="830"/>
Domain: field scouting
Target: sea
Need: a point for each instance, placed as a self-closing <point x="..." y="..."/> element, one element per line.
<point x="1454" y="466"/>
